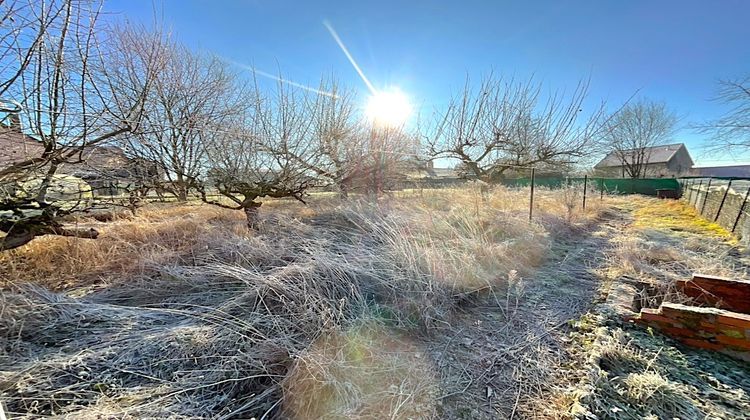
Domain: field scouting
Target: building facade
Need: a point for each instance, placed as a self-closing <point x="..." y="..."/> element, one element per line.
<point x="665" y="161"/>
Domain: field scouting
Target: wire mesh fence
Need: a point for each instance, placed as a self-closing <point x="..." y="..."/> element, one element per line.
<point x="721" y="200"/>
<point x="586" y="188"/>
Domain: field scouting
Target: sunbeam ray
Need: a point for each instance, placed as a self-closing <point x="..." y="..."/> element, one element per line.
<point x="349" y="56"/>
<point x="281" y="79"/>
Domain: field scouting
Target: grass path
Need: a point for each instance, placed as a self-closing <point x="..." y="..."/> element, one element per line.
<point x="504" y="361"/>
<point x="628" y="372"/>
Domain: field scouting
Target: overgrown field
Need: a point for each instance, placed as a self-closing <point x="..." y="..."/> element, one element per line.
<point x="327" y="311"/>
<point x="422" y="304"/>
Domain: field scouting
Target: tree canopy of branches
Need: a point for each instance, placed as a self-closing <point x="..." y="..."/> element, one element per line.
<point x="58" y="73"/>
<point x="733" y="128"/>
<point x="634" y="130"/>
<point x="503" y="124"/>
<point x="350" y="152"/>
<point x="191" y="97"/>
<point x="263" y="153"/>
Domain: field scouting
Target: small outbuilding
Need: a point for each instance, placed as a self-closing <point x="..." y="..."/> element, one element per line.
<point x="665" y="161"/>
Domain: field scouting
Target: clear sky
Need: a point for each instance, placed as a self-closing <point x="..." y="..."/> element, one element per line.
<point x="672" y="51"/>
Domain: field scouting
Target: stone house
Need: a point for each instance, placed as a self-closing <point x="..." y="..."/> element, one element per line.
<point x="664" y="161"/>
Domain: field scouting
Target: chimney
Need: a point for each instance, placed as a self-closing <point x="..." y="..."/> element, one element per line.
<point x="13" y="122"/>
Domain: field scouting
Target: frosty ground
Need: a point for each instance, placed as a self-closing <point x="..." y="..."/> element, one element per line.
<point x="425" y="304"/>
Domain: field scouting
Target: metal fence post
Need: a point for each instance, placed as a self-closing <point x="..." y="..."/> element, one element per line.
<point x="531" y="198"/>
<point x="601" y="188"/>
<point x="708" y="191"/>
<point x="585" y="186"/>
<point x="742" y="209"/>
<point x="722" y="200"/>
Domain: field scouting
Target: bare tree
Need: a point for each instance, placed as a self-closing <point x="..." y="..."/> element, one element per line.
<point x="22" y="28"/>
<point x="64" y="91"/>
<point x="634" y="130"/>
<point x="349" y="152"/>
<point x="191" y="96"/>
<point x="262" y="154"/>
<point x="336" y="134"/>
<point x="388" y="154"/>
<point x="733" y="128"/>
<point x="506" y="124"/>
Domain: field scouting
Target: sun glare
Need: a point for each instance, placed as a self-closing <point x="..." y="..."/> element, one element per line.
<point x="390" y="108"/>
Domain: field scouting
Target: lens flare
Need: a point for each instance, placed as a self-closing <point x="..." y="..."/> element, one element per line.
<point x="389" y="108"/>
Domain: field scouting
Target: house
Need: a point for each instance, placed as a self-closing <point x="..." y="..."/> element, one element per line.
<point x="427" y="175"/>
<point x="669" y="160"/>
<point x="110" y="172"/>
<point x="103" y="168"/>
<point x="15" y="146"/>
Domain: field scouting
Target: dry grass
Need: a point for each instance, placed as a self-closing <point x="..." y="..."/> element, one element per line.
<point x="668" y="241"/>
<point x="159" y="235"/>
<point x="364" y="372"/>
<point x="181" y="313"/>
<point x="629" y="373"/>
<point x="626" y="382"/>
<point x="676" y="215"/>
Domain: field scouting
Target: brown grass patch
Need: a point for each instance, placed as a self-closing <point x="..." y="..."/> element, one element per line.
<point x="194" y="316"/>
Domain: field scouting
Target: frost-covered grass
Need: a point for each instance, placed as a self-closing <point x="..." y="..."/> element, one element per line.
<point x="181" y="312"/>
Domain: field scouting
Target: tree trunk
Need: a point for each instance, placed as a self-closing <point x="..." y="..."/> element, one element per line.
<point x="16" y="238"/>
<point x="21" y="233"/>
<point x="180" y="188"/>
<point x="252" y="210"/>
<point x="44" y="186"/>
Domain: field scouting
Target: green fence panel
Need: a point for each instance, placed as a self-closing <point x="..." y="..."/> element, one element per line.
<point x="645" y="186"/>
<point x="549" y="182"/>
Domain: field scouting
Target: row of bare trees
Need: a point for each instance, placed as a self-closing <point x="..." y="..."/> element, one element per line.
<point x="212" y="131"/>
<point x="509" y="124"/>
<point x="78" y="83"/>
<point x="230" y="139"/>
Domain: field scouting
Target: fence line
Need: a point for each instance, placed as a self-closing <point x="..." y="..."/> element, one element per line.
<point x="647" y="186"/>
<point x="720" y="199"/>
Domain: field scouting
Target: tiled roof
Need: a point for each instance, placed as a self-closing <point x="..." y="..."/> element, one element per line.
<point x="655" y="154"/>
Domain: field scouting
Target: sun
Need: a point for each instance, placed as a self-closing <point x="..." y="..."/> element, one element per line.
<point x="388" y="108"/>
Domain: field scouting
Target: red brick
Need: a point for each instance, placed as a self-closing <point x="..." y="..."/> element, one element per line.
<point x="705" y="334"/>
<point x="679" y="332"/>
<point x="734" y="319"/>
<point x="707" y="326"/>
<point x="702" y="344"/>
<point x="734" y="342"/>
<point x="727" y="293"/>
<point x="649" y="317"/>
<point x="676" y="310"/>
<point x="731" y="332"/>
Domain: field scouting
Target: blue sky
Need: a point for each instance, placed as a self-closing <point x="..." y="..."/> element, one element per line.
<point x="672" y="51"/>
